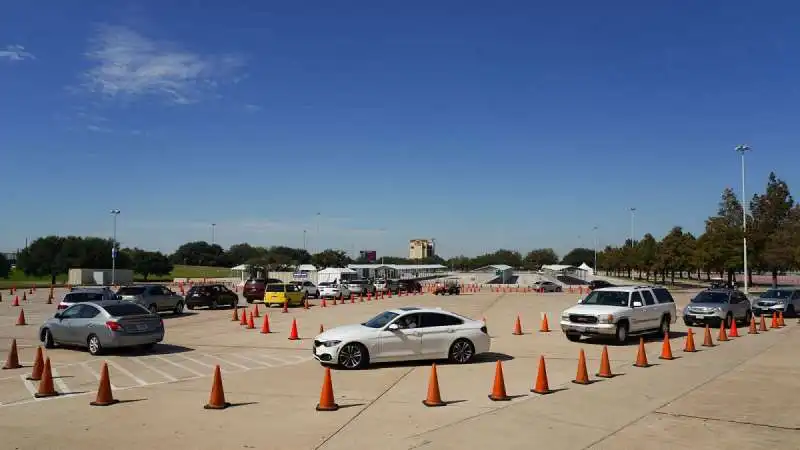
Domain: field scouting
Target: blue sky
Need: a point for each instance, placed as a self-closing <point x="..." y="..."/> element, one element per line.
<point x="480" y="124"/>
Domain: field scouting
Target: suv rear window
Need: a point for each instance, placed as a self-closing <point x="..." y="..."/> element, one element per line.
<point x="125" y="309"/>
<point x="663" y="295"/>
<point x="130" y="291"/>
<point x="78" y="297"/>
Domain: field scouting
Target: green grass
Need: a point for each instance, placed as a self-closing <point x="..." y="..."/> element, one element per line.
<point x="20" y="280"/>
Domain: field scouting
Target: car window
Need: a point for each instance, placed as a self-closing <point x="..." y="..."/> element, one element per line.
<point x="439" y="320"/>
<point x="131" y="290"/>
<point x="88" y="312"/>
<point x="648" y="298"/>
<point x="635" y="297"/>
<point x="711" y="297"/>
<point x="72" y="312"/>
<point x="663" y="295"/>
<point x="408" y="321"/>
<point x="78" y="297"/>
<point x="735" y="298"/>
<point x="777" y="294"/>
<point x="125" y="309"/>
<point x="607" y="298"/>
<point x="381" y="320"/>
<point x="276" y="287"/>
<point x="796" y="295"/>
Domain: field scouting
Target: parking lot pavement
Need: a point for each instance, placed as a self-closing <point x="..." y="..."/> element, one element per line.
<point x="727" y="389"/>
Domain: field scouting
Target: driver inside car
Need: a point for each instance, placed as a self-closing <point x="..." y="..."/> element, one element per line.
<point x="408" y="322"/>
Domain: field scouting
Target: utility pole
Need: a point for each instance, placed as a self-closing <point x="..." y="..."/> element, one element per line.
<point x="595" y="249"/>
<point x="114" y="214"/>
<point x="304" y="241"/>
<point x="213" y="234"/>
<point x="742" y="149"/>
<point x="633" y="229"/>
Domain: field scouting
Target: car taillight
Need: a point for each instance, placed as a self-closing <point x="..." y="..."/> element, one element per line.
<point x="62" y="306"/>
<point x="113" y="326"/>
<point x="484" y="330"/>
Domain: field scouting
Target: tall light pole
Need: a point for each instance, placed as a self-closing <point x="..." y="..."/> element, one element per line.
<point x="594" y="229"/>
<point x="213" y="233"/>
<point x="317" y="235"/>
<point x="114" y="213"/>
<point x="742" y="149"/>
<point x="633" y="229"/>
<point x="304" y="241"/>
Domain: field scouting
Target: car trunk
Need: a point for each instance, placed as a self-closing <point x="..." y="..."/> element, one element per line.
<point x="144" y="323"/>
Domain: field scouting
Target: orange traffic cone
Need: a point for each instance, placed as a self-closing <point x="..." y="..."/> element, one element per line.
<point x="434" y="397"/>
<point x="605" y="365"/>
<point x="722" y="336"/>
<point x="243" y="322"/>
<point x="16" y="301"/>
<point x="38" y="366"/>
<point x="12" y="361"/>
<point x="734" y="329"/>
<point x="46" y="388"/>
<point x="217" y="398"/>
<point x="763" y="325"/>
<point x="293" y="334"/>
<point x="256" y="314"/>
<point x="707" y="342"/>
<point x="324" y="303"/>
<point x="541" y="386"/>
<point x="265" y="325"/>
<point x="753" y="329"/>
<point x="235" y="317"/>
<point x="545" y="328"/>
<point x="641" y="355"/>
<point x="774" y="323"/>
<point x="250" y="322"/>
<point x="104" y="395"/>
<point x="499" y="386"/>
<point x="517" y="327"/>
<point x="21" y="318"/>
<point x="781" y="323"/>
<point x="285" y="307"/>
<point x="689" y="347"/>
<point x="666" y="349"/>
<point x="582" y="376"/>
<point x="326" y="400"/>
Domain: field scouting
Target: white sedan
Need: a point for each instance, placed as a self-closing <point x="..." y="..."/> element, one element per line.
<point x="403" y="334"/>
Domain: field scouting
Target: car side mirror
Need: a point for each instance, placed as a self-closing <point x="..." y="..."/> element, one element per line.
<point x="57" y="316"/>
<point x="637" y="304"/>
<point x="393" y="327"/>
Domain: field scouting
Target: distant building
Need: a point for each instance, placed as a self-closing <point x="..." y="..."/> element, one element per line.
<point x="420" y="248"/>
<point x="11" y="257"/>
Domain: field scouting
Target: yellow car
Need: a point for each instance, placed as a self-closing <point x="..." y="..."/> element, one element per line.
<point x="278" y="294"/>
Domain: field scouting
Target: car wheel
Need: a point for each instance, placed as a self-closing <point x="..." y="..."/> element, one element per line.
<point x="47" y="339"/>
<point x="462" y="351"/>
<point x="191" y="307"/>
<point x="178" y="309"/>
<point x="621" y="335"/>
<point x="93" y="343"/>
<point x="153" y="309"/>
<point x="687" y="323"/>
<point x="790" y="311"/>
<point x="573" y="337"/>
<point x="748" y="316"/>
<point x="249" y="300"/>
<point x="728" y="321"/>
<point x="213" y="305"/>
<point x="663" y="329"/>
<point x="353" y="356"/>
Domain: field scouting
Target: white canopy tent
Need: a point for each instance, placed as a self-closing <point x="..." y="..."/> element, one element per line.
<point x="589" y="270"/>
<point x="335" y="274"/>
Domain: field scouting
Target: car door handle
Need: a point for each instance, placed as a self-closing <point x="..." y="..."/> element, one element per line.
<point x="451" y="330"/>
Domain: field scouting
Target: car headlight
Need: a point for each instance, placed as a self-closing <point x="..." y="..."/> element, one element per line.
<point x="718" y="309"/>
<point x="331" y="343"/>
<point x="608" y="318"/>
<point x="779" y="305"/>
<point x="564" y="316"/>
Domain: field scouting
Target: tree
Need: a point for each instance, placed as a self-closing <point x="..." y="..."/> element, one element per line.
<point x="647" y="250"/>
<point x="330" y="258"/>
<point x="578" y="256"/>
<point x="199" y="253"/>
<point x="535" y="259"/>
<point x="148" y="263"/>
<point x="5" y="266"/>
<point x="770" y="215"/>
<point x="54" y="255"/>
<point x="241" y="253"/>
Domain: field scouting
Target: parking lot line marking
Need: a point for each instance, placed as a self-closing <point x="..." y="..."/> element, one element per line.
<point x="59" y="382"/>
<point x="231" y="363"/>
<point x="200" y="363"/>
<point x="282" y="361"/>
<point x="180" y="366"/>
<point x="96" y="375"/>
<point x="126" y="372"/>
<point x="263" y="363"/>
<point x="29" y="386"/>
<point x="158" y="371"/>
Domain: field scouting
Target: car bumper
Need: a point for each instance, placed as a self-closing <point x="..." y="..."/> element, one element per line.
<point x="132" y="340"/>
<point x="691" y="319"/>
<point x="326" y="355"/>
<point x="767" y="311"/>
<point x="589" y="329"/>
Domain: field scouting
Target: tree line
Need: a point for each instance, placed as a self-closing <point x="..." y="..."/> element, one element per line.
<point x="773" y="242"/>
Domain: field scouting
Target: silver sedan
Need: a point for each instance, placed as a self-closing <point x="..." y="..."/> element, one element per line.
<point x="102" y="325"/>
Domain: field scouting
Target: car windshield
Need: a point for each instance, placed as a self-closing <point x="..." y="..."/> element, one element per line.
<point x="606" y="298"/>
<point x="278" y="288"/>
<point x="380" y="320"/>
<point x="777" y="293"/>
<point x="356" y="282"/>
<point x="131" y="290"/>
<point x="711" y="297"/>
<point x="325" y="283"/>
<point x="77" y="297"/>
<point x="125" y="309"/>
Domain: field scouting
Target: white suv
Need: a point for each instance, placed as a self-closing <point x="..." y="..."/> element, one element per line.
<point x="619" y="312"/>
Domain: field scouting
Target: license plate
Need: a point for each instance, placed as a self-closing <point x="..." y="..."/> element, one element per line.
<point x="195" y="295"/>
<point x="141" y="327"/>
<point x="699" y="316"/>
<point x="580" y="329"/>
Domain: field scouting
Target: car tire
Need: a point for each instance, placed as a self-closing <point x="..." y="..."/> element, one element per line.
<point x="178" y="309"/>
<point x="353" y="356"/>
<point x="462" y="351"/>
<point x="728" y="321"/>
<point x="153" y="309"/>
<point x="93" y="345"/>
<point x="212" y="305"/>
<point x="790" y="311"/>
<point x="191" y="307"/>
<point x="663" y="327"/>
<point x="748" y="316"/>
<point x="687" y="323"/>
<point x="47" y="339"/>
<point x="573" y="337"/>
<point x="621" y="334"/>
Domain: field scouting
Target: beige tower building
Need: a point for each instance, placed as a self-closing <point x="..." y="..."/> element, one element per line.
<point x="420" y="248"/>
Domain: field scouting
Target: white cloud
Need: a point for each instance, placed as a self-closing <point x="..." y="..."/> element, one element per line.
<point x="15" y="53"/>
<point x="127" y="65"/>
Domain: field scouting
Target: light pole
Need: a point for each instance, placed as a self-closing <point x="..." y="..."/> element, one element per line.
<point x="633" y="230"/>
<point x="304" y="241"/>
<point x="317" y="235"/>
<point x="742" y="149"/>
<point x="114" y="213"/>
<point x="213" y="234"/>
<point x="594" y="229"/>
